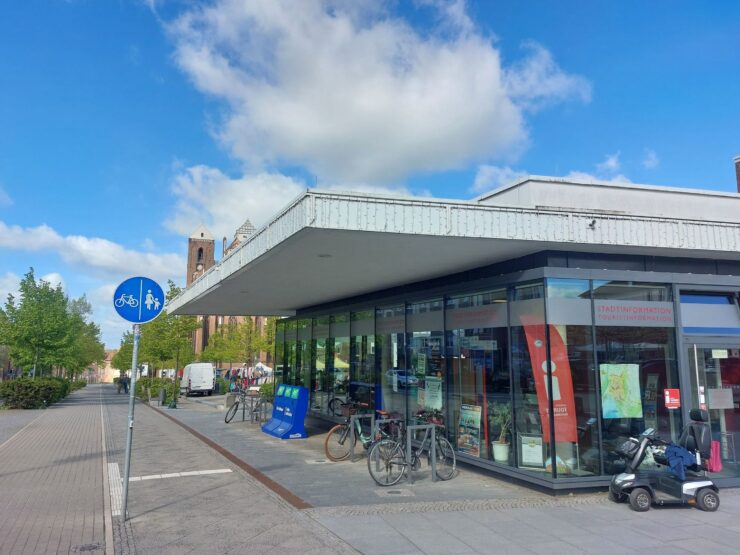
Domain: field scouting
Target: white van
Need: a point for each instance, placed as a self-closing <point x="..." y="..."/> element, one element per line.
<point x="199" y="377"/>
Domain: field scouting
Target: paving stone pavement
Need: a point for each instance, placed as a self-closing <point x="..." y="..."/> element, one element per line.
<point x="463" y="516"/>
<point x="51" y="479"/>
<point x="217" y="513"/>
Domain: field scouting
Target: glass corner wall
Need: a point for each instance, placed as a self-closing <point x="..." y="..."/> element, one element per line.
<point x="395" y="376"/>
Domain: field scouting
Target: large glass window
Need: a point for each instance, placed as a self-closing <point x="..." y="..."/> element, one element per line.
<point x="319" y="397"/>
<point x="291" y="368"/>
<point x="303" y="353"/>
<point x="426" y="381"/>
<point x="279" y="351"/>
<point x="395" y="376"/>
<point x="480" y="397"/>
<point x="531" y="437"/>
<point x="362" y="357"/>
<point x="338" y="359"/>
<point x="573" y="377"/>
<point x="635" y="365"/>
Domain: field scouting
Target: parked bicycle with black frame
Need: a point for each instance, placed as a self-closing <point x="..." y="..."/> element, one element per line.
<point x="340" y="440"/>
<point x="387" y="462"/>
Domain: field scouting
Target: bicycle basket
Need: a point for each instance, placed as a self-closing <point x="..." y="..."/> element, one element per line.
<point x="348" y="409"/>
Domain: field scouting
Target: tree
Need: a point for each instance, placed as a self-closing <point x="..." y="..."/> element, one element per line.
<point x="35" y="327"/>
<point x="43" y="329"/>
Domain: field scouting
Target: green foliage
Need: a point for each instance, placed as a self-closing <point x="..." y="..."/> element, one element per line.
<point x="28" y="393"/>
<point x="44" y="329"/>
<point x="223" y="385"/>
<point x="77" y="384"/>
<point x="267" y="390"/>
<point x="500" y="417"/>
<point x="155" y="385"/>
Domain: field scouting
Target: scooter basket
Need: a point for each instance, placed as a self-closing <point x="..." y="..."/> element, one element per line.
<point x="629" y="448"/>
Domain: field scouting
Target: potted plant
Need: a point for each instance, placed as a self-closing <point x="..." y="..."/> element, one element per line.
<point x="501" y="417"/>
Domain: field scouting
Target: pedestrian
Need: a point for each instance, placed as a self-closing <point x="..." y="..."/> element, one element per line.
<point x="125" y="383"/>
<point x="119" y="384"/>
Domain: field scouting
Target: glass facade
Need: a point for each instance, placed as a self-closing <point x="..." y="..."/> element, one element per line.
<point x="546" y="378"/>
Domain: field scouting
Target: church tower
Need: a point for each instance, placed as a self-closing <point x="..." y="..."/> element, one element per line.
<point x="201" y="256"/>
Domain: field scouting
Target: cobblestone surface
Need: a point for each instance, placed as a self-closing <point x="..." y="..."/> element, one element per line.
<point x="12" y="421"/>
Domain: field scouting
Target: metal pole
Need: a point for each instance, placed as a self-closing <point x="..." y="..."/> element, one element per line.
<point x="130" y="435"/>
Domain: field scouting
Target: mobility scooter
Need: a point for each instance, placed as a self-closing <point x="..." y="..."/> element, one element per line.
<point x="644" y="487"/>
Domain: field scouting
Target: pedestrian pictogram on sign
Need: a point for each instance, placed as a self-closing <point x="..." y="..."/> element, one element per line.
<point x="672" y="398"/>
<point x="138" y="300"/>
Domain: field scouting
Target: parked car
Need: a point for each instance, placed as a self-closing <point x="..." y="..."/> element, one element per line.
<point x="199" y="377"/>
<point x="405" y="377"/>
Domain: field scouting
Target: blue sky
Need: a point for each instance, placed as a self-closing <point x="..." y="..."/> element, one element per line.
<point x="126" y="124"/>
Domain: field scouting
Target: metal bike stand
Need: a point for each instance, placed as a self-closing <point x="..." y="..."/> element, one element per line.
<point x="244" y="410"/>
<point x="353" y="438"/>
<point x="432" y="449"/>
<point x="385" y="422"/>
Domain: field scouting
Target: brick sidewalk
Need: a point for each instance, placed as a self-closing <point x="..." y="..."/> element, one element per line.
<point x="51" y="481"/>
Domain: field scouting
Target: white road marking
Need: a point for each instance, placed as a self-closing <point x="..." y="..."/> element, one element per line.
<point x="115" y="483"/>
<point x="178" y="474"/>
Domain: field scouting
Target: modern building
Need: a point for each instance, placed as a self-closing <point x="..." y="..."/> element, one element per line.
<point x="542" y="323"/>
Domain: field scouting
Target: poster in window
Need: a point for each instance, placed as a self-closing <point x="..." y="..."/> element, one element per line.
<point x="620" y="391"/>
<point x="468" y="433"/>
<point x="433" y="394"/>
<point x="650" y="404"/>
<point x="531" y="451"/>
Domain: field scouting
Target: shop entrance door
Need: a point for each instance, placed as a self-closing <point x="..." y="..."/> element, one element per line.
<point x="715" y="385"/>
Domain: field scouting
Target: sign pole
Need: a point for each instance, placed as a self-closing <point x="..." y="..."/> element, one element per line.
<point x="130" y="435"/>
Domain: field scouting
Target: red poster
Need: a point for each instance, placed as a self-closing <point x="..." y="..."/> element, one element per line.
<point x="562" y="381"/>
<point x="672" y="398"/>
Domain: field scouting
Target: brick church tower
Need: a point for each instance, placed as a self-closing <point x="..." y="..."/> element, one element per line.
<point x="201" y="247"/>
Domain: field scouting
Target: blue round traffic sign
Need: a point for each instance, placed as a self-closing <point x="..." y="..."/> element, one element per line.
<point x="138" y="300"/>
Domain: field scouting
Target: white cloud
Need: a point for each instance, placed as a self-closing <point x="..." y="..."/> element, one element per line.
<point x="54" y="279"/>
<point x="9" y="284"/>
<point x="491" y="177"/>
<point x="205" y="195"/>
<point x="590" y="178"/>
<point x="92" y="253"/>
<point x="610" y="164"/>
<point x="537" y="81"/>
<point x="651" y="159"/>
<point x="356" y="94"/>
<point x="208" y="196"/>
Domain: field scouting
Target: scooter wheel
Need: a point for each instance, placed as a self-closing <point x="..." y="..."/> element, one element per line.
<point x="708" y="500"/>
<point x="640" y="500"/>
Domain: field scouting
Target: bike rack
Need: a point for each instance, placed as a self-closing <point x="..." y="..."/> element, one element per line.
<point x="410" y="430"/>
<point x="254" y="416"/>
<point x="353" y="439"/>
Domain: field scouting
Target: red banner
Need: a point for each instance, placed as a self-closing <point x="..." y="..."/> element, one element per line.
<point x="562" y="382"/>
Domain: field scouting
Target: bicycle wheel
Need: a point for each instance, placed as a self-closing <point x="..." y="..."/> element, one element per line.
<point x="231" y="412"/>
<point x="386" y="462"/>
<point x="337" y="443"/>
<point x="445" y="459"/>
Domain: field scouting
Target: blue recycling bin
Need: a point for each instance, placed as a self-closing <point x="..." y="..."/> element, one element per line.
<point x="288" y="413"/>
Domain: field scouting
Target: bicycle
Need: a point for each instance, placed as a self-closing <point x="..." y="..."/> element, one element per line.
<point x="126" y="299"/>
<point x="387" y="462"/>
<point x="340" y="441"/>
<point x="242" y="398"/>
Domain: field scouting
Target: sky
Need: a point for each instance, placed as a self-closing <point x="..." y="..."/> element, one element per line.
<point x="125" y="124"/>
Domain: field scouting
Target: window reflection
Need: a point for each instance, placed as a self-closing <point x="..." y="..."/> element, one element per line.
<point x="477" y="342"/>
<point x="424" y="379"/>
<point x="395" y="378"/>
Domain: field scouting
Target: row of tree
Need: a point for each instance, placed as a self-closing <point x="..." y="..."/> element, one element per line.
<point x="45" y="330"/>
<point x="166" y="342"/>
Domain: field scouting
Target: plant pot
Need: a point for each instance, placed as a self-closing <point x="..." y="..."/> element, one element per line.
<point x="500" y="452"/>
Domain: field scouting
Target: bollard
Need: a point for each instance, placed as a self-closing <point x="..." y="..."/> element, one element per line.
<point x="162" y="396"/>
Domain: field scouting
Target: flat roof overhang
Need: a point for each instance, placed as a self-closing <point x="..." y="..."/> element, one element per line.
<point x="326" y="246"/>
